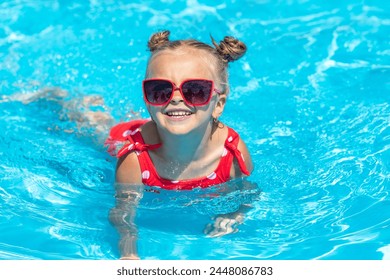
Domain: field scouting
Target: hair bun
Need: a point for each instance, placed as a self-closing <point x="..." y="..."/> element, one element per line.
<point x="230" y="49"/>
<point x="158" y="40"/>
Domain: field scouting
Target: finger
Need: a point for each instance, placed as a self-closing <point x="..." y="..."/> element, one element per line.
<point x="208" y="229"/>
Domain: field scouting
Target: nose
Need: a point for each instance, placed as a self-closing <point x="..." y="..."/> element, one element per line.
<point x="177" y="96"/>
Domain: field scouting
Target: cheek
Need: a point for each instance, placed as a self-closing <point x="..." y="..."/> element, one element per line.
<point x="156" y="114"/>
<point x="208" y="110"/>
<point x="153" y="110"/>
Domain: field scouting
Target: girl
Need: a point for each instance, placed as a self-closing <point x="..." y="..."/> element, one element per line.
<point x="183" y="145"/>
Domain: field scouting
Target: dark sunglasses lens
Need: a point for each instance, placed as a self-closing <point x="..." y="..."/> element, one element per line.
<point x="197" y="91"/>
<point x="157" y="92"/>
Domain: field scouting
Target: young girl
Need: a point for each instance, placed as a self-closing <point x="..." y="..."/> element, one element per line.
<point x="184" y="145"/>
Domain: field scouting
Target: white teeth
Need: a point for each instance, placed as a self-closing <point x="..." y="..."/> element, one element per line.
<point x="178" y="113"/>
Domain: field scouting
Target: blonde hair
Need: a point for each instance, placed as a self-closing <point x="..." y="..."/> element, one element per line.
<point x="228" y="50"/>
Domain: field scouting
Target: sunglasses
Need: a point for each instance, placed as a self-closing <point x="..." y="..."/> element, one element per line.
<point x="195" y="92"/>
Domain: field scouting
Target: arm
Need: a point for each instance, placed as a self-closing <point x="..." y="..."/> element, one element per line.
<point x="227" y="223"/>
<point x="128" y="192"/>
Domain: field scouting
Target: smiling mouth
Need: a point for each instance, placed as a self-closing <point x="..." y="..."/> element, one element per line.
<point x="178" y="114"/>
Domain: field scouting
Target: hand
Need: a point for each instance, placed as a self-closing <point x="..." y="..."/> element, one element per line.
<point x="224" y="224"/>
<point x="130" y="257"/>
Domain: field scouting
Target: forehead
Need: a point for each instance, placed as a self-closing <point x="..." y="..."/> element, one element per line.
<point x="182" y="63"/>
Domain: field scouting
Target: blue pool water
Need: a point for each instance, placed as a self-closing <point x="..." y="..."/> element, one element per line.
<point x="310" y="98"/>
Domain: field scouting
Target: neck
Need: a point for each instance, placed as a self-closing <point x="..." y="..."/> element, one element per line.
<point x="183" y="149"/>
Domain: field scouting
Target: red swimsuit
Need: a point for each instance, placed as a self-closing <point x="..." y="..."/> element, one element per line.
<point x="130" y="132"/>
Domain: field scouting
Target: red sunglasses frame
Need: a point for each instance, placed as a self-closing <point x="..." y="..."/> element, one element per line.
<point x="175" y="87"/>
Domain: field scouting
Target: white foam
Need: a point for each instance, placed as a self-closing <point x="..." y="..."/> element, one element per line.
<point x="385" y="250"/>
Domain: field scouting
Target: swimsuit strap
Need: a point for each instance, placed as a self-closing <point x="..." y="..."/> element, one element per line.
<point x="137" y="147"/>
<point x="126" y="137"/>
<point x="231" y="145"/>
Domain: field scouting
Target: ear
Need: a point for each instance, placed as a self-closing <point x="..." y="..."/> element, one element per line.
<point x="219" y="106"/>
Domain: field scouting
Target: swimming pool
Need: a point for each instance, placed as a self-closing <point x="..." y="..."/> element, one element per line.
<point x="311" y="99"/>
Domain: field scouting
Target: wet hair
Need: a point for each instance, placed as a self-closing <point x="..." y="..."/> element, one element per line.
<point x="228" y="50"/>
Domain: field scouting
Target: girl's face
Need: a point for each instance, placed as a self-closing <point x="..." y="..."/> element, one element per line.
<point x="178" y="117"/>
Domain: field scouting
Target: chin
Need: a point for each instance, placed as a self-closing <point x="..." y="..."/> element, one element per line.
<point x="178" y="130"/>
<point x="180" y="127"/>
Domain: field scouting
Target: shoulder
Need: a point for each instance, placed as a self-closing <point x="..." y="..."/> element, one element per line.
<point x="235" y="170"/>
<point x="128" y="170"/>
<point x="245" y="154"/>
